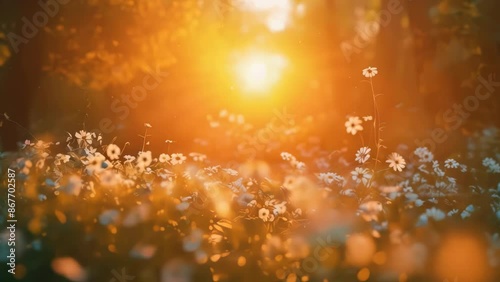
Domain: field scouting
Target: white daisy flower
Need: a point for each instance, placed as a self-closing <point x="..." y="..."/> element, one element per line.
<point x="164" y="158"/>
<point x="370" y="72"/>
<point x="177" y="159"/>
<point x="451" y="163"/>
<point x="363" y="155"/>
<point x="144" y="159"/>
<point x="84" y="138"/>
<point x="113" y="152"/>
<point x="396" y="161"/>
<point x="265" y="215"/>
<point x="353" y="125"/>
<point x="94" y="163"/>
<point x="361" y="175"/>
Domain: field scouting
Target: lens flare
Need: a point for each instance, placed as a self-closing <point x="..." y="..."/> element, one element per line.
<point x="258" y="73"/>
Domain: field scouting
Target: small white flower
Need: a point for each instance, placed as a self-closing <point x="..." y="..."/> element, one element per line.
<point x="90" y="150"/>
<point x="329" y="177"/>
<point x="363" y="155"/>
<point x="367" y="118"/>
<point x="370" y="210"/>
<point x="164" y="158"/>
<point x="147" y="125"/>
<point x="492" y="165"/>
<point x="424" y="154"/>
<point x="463" y="168"/>
<point x="370" y="72"/>
<point x="252" y="203"/>
<point x="83" y="138"/>
<point x="396" y="162"/>
<point x="467" y="212"/>
<point x="197" y="157"/>
<point x="113" y="152"/>
<point x="361" y="175"/>
<point x="287" y="156"/>
<point x="177" y="159"/>
<point x="94" y="163"/>
<point x="353" y="125"/>
<point x="297" y="212"/>
<point x="279" y="208"/>
<point x="129" y="158"/>
<point x="144" y="159"/>
<point x="61" y="158"/>
<point x="265" y="215"/>
<point x="230" y="171"/>
<point x="451" y="163"/>
<point x="435" y="214"/>
<point x="300" y="165"/>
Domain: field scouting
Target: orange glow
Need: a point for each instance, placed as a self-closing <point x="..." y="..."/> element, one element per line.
<point x="257" y="73"/>
<point x="278" y="12"/>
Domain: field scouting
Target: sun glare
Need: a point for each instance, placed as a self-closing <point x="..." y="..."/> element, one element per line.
<point x="258" y="73"/>
<point x="278" y="12"/>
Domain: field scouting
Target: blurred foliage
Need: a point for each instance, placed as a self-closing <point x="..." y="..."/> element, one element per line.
<point x="4" y="49"/>
<point x="101" y="44"/>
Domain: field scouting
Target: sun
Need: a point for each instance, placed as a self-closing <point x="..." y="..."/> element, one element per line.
<point x="258" y="73"/>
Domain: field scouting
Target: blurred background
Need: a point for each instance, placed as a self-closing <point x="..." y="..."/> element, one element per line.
<point x="74" y="66"/>
<point x="213" y="75"/>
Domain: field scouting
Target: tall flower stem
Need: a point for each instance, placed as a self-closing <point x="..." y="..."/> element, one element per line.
<point x="376" y="131"/>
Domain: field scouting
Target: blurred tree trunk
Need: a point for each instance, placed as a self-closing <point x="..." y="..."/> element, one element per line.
<point x="21" y="74"/>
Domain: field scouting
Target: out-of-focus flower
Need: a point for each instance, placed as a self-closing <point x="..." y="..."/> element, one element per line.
<point x="84" y="138"/>
<point x="330" y="177"/>
<point x="69" y="268"/>
<point x="230" y="171"/>
<point x="370" y="72"/>
<point x="94" y="163"/>
<point x="177" y="159"/>
<point x="363" y="155"/>
<point x="435" y="214"/>
<point x="144" y="160"/>
<point x="424" y="154"/>
<point x="265" y="215"/>
<point x="287" y="156"/>
<point x="61" y="158"/>
<point x="197" y="157"/>
<point x="164" y="158"/>
<point x="192" y="242"/>
<point x="370" y="210"/>
<point x="353" y="125"/>
<point x="467" y="212"/>
<point x="451" y="163"/>
<point x="367" y="118"/>
<point x="396" y="162"/>
<point x="113" y="152"/>
<point x="492" y="165"/>
<point x="361" y="175"/>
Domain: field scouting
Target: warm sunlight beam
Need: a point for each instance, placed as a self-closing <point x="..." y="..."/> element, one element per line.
<point x="258" y="73"/>
<point x="278" y="12"/>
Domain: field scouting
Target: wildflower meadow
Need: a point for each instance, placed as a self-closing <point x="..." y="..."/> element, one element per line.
<point x="178" y="141"/>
